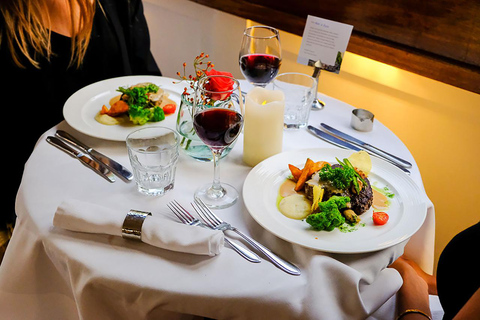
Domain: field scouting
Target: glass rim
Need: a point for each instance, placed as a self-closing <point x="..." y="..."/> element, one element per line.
<point x="294" y="73"/>
<point x="168" y="147"/>
<point x="304" y="75"/>
<point x="274" y="30"/>
<point x="203" y="79"/>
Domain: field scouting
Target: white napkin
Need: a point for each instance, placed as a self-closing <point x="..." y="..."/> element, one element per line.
<point x="81" y="216"/>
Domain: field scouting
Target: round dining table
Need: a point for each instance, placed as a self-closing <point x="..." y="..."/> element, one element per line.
<point x="53" y="273"/>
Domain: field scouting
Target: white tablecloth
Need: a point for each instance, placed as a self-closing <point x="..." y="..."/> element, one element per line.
<point x="49" y="273"/>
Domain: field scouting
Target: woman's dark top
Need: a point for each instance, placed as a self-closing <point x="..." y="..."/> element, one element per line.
<point x="32" y="99"/>
<point x="457" y="271"/>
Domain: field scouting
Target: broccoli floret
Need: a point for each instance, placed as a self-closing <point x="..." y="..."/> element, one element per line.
<point x="139" y="115"/>
<point x="139" y="110"/>
<point x="338" y="201"/>
<point x="138" y="95"/>
<point x="326" y="220"/>
<point x="329" y="217"/>
<point x="157" y="114"/>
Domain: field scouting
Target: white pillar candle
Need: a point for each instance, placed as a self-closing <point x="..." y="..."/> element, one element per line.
<point x="263" y="129"/>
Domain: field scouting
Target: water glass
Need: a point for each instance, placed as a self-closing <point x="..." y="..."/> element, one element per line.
<point x="153" y="154"/>
<point x="299" y="90"/>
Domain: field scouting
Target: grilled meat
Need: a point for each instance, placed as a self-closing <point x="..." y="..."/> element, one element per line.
<point x="359" y="202"/>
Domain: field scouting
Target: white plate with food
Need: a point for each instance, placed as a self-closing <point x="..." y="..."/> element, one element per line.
<point x="83" y="109"/>
<point x="396" y="194"/>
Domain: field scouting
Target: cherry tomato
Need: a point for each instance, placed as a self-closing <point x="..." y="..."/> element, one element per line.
<point x="169" y="108"/>
<point x="380" y="218"/>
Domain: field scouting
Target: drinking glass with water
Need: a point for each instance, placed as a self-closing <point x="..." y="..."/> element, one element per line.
<point x="153" y="154"/>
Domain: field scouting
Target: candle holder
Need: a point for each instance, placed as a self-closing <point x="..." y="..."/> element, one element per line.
<point x="263" y="130"/>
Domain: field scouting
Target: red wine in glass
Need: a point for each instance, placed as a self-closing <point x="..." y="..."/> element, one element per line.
<point x="260" y="69"/>
<point x="217" y="127"/>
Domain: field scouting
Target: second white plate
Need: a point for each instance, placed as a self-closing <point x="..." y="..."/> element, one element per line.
<point x="81" y="108"/>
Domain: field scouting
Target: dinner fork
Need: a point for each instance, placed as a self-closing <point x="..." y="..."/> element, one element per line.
<point x="185" y="217"/>
<point x="214" y="222"/>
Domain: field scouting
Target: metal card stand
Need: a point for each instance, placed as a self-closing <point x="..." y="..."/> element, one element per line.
<point x="317" y="103"/>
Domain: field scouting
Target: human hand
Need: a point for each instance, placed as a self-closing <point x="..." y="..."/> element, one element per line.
<point x="428" y="278"/>
<point x="414" y="292"/>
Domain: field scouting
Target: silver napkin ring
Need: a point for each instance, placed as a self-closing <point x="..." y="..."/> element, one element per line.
<point x="132" y="225"/>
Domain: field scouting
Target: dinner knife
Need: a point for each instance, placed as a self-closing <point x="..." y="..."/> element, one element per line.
<point x="113" y="165"/>
<point x="98" y="167"/>
<point x="367" y="146"/>
<point x="344" y="144"/>
<point x="332" y="139"/>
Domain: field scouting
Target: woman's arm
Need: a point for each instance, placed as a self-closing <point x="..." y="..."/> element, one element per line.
<point x="413" y="295"/>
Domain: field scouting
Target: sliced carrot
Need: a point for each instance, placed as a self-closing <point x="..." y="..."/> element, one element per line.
<point x="305" y="174"/>
<point x="296" y="172"/>
<point x="317" y="166"/>
<point x="104" y="110"/>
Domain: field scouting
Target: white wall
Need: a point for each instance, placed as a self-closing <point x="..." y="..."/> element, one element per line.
<point x="181" y="30"/>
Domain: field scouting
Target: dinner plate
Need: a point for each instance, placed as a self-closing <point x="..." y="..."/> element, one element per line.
<point x="407" y="210"/>
<point x="81" y="108"/>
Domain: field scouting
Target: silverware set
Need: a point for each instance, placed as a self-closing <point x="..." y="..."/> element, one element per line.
<point x="343" y="140"/>
<point x="104" y="166"/>
<point x="212" y="221"/>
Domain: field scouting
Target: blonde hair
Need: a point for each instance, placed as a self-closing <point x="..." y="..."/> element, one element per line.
<point x="26" y="30"/>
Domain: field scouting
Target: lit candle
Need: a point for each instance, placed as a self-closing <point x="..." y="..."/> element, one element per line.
<point x="263" y="129"/>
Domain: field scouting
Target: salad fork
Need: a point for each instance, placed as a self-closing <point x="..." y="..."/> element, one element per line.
<point x="185" y="217"/>
<point x="214" y="222"/>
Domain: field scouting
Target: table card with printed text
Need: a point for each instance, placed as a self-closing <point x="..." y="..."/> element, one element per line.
<point x="325" y="41"/>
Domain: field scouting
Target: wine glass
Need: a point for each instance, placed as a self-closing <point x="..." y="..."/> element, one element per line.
<point x="260" y="55"/>
<point x="218" y="120"/>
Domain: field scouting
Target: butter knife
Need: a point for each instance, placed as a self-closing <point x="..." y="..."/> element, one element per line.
<point x="113" y="165"/>
<point x="399" y="161"/>
<point x="344" y="144"/>
<point x="99" y="168"/>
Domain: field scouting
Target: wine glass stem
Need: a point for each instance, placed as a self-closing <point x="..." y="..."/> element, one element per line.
<point x="216" y="191"/>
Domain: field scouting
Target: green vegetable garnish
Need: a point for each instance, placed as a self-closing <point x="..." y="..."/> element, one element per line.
<point x="345" y="228"/>
<point x="139" y="95"/>
<point x="343" y="176"/>
<point x="329" y="216"/>
<point x="158" y="114"/>
<point x="140" y="116"/>
<point x="140" y="110"/>
<point x="387" y="192"/>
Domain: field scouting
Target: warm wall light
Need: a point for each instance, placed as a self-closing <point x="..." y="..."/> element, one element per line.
<point x="371" y="69"/>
